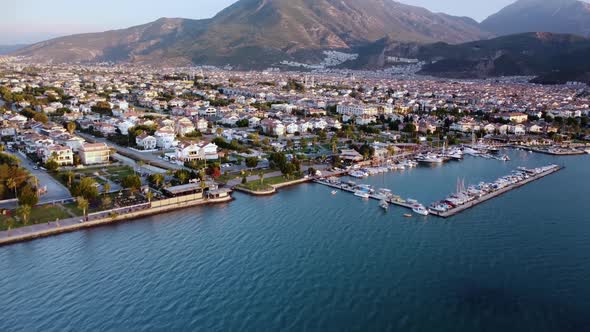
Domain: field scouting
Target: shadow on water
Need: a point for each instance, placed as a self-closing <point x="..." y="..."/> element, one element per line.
<point x="507" y="309"/>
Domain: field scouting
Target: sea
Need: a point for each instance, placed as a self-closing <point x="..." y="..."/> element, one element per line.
<point x="307" y="260"/>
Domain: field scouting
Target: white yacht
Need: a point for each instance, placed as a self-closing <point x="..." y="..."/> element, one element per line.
<point x="383" y="204"/>
<point x="587" y="151"/>
<point x="361" y="194"/>
<point x="430" y="158"/>
<point x="420" y="209"/>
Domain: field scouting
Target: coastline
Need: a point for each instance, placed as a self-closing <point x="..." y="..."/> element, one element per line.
<point x="275" y="187"/>
<point x="71" y="225"/>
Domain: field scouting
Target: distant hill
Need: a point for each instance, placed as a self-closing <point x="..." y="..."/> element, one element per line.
<point x="557" y="16"/>
<point x="554" y="58"/>
<point x="5" y="49"/>
<point x="256" y="33"/>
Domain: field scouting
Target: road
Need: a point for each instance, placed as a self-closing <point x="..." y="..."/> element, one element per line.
<point x="55" y="190"/>
<point x="147" y="157"/>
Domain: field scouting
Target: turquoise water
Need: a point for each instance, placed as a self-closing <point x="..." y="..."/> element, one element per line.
<point x="307" y="260"/>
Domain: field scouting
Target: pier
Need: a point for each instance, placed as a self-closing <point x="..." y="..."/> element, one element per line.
<point x="487" y="197"/>
<point x="393" y="199"/>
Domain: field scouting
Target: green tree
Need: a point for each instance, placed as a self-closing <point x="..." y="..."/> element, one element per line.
<point x="71" y="127"/>
<point x="156" y="179"/>
<point x="131" y="182"/>
<point x="24" y="211"/>
<point x="70" y="177"/>
<point x="251" y="162"/>
<point x="83" y="205"/>
<point x="41" y="117"/>
<point x="149" y="195"/>
<point x="28" y="196"/>
<point x="86" y="188"/>
<point x="106" y="203"/>
<point x="52" y="165"/>
<point x="106" y="188"/>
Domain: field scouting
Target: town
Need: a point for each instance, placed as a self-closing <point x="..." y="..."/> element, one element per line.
<point x="90" y="143"/>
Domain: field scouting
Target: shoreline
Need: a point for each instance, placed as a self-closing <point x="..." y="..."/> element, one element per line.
<point x="29" y="233"/>
<point x="275" y="187"/>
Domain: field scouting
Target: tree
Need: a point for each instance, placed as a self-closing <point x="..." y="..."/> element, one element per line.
<point x="11" y="184"/>
<point x="24" y="211"/>
<point x="41" y="117"/>
<point x="52" y="165"/>
<point x="149" y="195"/>
<point x="70" y="176"/>
<point x="182" y="176"/>
<point x="261" y="177"/>
<point x="131" y="182"/>
<point x="251" y="162"/>
<point x="244" y="180"/>
<point x="156" y="179"/>
<point x="71" y="127"/>
<point x="86" y="188"/>
<point x="28" y="196"/>
<point x="106" y="188"/>
<point x="106" y="203"/>
<point x="82" y="205"/>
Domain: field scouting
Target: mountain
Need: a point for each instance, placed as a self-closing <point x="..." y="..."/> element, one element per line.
<point x="557" y="16"/>
<point x="253" y="33"/>
<point x="553" y="58"/>
<point x="5" y="49"/>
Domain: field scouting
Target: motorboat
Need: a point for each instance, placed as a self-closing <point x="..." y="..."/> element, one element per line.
<point x="430" y="159"/>
<point x="362" y="194"/>
<point x="334" y="192"/>
<point x="420" y="209"/>
<point x="384" y="205"/>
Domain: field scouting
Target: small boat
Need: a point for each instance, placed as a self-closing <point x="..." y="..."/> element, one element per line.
<point x="384" y="205"/>
<point x="361" y="194"/>
<point x="334" y="192"/>
<point x="407" y="215"/>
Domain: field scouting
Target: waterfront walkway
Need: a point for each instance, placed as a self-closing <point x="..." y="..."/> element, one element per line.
<point x="97" y="219"/>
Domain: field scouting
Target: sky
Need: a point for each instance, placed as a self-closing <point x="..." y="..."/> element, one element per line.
<point x="28" y="21"/>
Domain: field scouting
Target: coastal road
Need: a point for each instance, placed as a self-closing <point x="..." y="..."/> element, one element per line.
<point x="147" y="157"/>
<point x="55" y="190"/>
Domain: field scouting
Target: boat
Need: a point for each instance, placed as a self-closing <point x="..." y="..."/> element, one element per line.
<point x="407" y="215"/>
<point x="430" y="159"/>
<point x="420" y="209"/>
<point x="358" y="174"/>
<point x="383" y="204"/>
<point x="587" y="151"/>
<point x="361" y="194"/>
<point x="334" y="192"/>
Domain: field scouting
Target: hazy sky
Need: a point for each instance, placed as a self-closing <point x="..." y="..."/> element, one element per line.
<point x="26" y="21"/>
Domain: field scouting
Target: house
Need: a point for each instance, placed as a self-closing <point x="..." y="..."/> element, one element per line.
<point x="515" y="117"/>
<point x="273" y="127"/>
<point x="146" y="142"/>
<point x="184" y="126"/>
<point x="94" y="153"/>
<point x="63" y="155"/>
<point x="365" y="120"/>
<point x="166" y="137"/>
<point x="351" y="155"/>
<point x="292" y="128"/>
<point x="202" y="125"/>
<point x="253" y="122"/>
<point x="196" y="151"/>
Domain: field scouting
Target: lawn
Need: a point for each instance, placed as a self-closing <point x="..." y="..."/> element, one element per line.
<point x="117" y="174"/>
<point x="40" y="214"/>
<point x="266" y="184"/>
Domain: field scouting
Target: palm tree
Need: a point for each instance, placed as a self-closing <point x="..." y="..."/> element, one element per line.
<point x="106" y="188"/>
<point x="24" y="211"/>
<point x="11" y="184"/>
<point x="70" y="175"/>
<point x="182" y="177"/>
<point x="83" y="205"/>
<point x="149" y="195"/>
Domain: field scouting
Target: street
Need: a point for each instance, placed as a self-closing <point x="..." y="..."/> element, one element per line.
<point x="55" y="190"/>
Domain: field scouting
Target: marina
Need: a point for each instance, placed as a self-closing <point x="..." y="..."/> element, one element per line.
<point x="456" y="203"/>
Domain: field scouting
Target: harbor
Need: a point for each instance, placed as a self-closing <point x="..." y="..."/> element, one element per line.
<point x="463" y="199"/>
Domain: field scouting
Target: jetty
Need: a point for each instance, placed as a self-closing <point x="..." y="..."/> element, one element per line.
<point x="486" y="197"/>
<point x="526" y="176"/>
